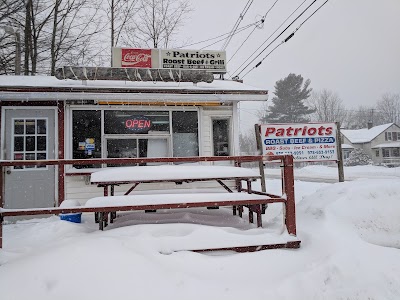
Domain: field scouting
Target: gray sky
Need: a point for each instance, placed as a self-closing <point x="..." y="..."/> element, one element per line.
<point x="351" y="47"/>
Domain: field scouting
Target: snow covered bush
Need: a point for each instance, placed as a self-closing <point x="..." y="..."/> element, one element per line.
<point x="358" y="157"/>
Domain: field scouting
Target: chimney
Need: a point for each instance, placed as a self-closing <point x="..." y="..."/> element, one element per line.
<point x="369" y="125"/>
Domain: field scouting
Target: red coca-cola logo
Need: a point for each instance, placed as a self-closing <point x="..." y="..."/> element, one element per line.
<point x="136" y="58"/>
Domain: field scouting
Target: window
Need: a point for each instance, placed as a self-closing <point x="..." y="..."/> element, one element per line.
<point x="29" y="141"/>
<point x="385" y="153"/>
<point x="396" y="152"/>
<point x="185" y="133"/>
<point x="377" y="153"/>
<point x="86" y="135"/>
<point x="220" y="129"/>
<point x="115" y="120"/>
<point x="394" y="136"/>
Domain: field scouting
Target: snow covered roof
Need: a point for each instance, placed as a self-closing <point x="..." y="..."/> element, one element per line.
<point x="364" y="135"/>
<point x="388" y="145"/>
<point x="347" y="146"/>
<point x="218" y="90"/>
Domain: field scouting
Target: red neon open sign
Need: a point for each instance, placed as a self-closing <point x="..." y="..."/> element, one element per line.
<point x="138" y="124"/>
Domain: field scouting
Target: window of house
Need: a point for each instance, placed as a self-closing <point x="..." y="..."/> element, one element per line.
<point x="220" y="129"/>
<point x="388" y="136"/>
<point x="385" y="153"/>
<point x="396" y="152"/>
<point x="394" y="136"/>
<point x="377" y="153"/>
<point x="185" y="133"/>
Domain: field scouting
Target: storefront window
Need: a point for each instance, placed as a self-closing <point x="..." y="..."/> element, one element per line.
<point x="185" y="133"/>
<point x="126" y="121"/>
<point x="86" y="135"/>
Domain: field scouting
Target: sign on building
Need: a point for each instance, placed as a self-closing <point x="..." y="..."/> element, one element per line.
<point x="306" y="142"/>
<point x="208" y="60"/>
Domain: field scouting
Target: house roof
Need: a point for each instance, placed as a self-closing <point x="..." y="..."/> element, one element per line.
<point x="364" y="135"/>
<point x="347" y="146"/>
<point x="24" y="87"/>
<point x="388" y="145"/>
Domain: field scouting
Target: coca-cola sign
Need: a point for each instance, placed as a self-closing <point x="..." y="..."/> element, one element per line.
<point x="136" y="58"/>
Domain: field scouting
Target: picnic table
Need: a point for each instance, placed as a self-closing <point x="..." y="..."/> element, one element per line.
<point x="133" y="176"/>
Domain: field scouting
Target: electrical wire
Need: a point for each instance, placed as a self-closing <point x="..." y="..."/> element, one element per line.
<point x="239" y="20"/>
<point x="297" y="8"/>
<point x="287" y="39"/>
<point x="262" y="23"/>
<point x="210" y="39"/>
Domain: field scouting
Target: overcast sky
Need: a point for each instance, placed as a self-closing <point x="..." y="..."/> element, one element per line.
<point x="351" y="47"/>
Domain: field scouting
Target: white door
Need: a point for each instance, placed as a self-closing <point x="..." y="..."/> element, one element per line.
<point x="29" y="135"/>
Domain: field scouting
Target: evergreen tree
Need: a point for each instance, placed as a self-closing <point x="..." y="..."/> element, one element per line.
<point x="288" y="106"/>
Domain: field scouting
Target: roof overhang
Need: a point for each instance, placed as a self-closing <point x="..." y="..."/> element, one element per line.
<point x="132" y="96"/>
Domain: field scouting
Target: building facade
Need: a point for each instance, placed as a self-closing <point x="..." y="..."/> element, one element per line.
<point x="381" y="143"/>
<point x="46" y="118"/>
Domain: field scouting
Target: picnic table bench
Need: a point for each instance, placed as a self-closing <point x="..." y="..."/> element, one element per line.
<point x="238" y="197"/>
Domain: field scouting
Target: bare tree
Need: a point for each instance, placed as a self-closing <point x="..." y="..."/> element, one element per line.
<point x="247" y="143"/>
<point x="362" y="117"/>
<point x="9" y="7"/>
<point x="328" y="107"/>
<point x="157" y="22"/>
<point x="389" y="108"/>
<point x="75" y="24"/>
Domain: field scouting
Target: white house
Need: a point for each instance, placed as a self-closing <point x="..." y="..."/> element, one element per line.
<point x="382" y="143"/>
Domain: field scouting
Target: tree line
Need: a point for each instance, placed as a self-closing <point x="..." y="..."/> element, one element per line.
<point x="47" y="34"/>
<point x="294" y="101"/>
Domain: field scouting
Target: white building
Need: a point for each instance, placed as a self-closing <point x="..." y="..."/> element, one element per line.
<point x="46" y="118"/>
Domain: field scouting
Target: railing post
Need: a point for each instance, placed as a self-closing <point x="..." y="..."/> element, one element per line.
<point x="288" y="179"/>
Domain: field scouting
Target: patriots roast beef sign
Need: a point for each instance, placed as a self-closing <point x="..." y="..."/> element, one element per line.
<point x="138" y="124"/>
<point x="208" y="60"/>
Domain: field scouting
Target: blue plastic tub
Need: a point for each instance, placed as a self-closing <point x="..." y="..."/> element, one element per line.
<point x="75" y="218"/>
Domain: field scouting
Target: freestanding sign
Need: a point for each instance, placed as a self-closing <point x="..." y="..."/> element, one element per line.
<point x="306" y="142"/>
<point x="207" y="60"/>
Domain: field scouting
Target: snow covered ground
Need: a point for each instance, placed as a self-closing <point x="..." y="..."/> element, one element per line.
<point x="350" y="235"/>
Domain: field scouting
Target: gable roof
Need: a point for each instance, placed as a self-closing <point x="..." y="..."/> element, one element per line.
<point x="364" y="135"/>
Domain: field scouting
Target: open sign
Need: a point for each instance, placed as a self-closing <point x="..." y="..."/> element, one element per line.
<point x="138" y="124"/>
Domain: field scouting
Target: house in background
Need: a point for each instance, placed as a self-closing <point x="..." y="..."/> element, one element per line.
<point x="381" y="143"/>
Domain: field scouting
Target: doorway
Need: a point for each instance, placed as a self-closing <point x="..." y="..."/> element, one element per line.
<point x="29" y="135"/>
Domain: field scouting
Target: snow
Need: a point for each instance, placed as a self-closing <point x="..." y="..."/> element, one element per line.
<point x="364" y="135"/>
<point x="169" y="199"/>
<point x="51" y="81"/>
<point x="350" y="235"/>
<point x="388" y="145"/>
<point x="169" y="172"/>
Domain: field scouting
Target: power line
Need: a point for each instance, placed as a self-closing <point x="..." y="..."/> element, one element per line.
<point x="262" y="22"/>
<point x="238" y="21"/>
<point x="210" y="39"/>
<point x="268" y="39"/>
<point x="288" y="38"/>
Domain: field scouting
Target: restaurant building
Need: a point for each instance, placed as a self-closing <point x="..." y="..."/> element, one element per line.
<point x="43" y="117"/>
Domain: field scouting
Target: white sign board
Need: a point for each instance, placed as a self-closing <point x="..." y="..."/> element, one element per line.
<point x="306" y="142"/>
<point x="207" y="60"/>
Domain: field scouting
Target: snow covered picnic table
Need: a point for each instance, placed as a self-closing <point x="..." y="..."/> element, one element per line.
<point x="173" y="173"/>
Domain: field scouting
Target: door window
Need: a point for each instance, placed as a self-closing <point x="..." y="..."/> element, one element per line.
<point x="221" y="137"/>
<point x="30" y="140"/>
